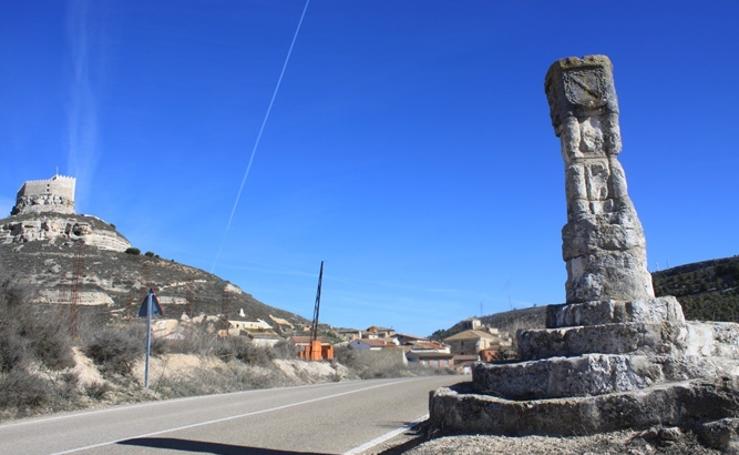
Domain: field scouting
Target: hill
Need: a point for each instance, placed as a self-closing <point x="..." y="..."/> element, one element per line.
<point x="508" y="321"/>
<point x="707" y="290"/>
<point x="58" y="255"/>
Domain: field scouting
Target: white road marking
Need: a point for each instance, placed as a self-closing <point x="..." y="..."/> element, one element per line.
<point x="162" y="402"/>
<point x="385" y="437"/>
<point x="224" y="419"/>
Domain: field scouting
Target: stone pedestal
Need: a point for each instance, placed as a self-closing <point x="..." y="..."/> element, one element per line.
<point x="614" y="356"/>
<point x="601" y="366"/>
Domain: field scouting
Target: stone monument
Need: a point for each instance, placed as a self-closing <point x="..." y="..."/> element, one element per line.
<point x="613" y="356"/>
<point x="603" y="241"/>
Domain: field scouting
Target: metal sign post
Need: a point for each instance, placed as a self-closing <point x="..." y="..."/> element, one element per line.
<point x="149" y="307"/>
<point x="148" y="338"/>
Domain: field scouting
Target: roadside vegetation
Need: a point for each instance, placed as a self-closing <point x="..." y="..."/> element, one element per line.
<point x="36" y="357"/>
<point x="382" y="364"/>
<point x="44" y="368"/>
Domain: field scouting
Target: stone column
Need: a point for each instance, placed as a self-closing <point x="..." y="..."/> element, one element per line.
<point x="603" y="241"/>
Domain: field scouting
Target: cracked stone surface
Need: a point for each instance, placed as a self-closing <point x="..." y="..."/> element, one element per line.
<point x="603" y="241"/>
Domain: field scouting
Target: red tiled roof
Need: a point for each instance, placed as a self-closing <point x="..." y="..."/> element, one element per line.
<point x="471" y="335"/>
<point x="375" y="342"/>
<point x="462" y="358"/>
<point x="431" y="355"/>
<point x="428" y="345"/>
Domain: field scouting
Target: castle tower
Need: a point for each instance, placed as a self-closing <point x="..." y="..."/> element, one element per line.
<point x="55" y="194"/>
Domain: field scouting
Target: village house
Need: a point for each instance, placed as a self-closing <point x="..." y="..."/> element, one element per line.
<point x="374" y="332"/>
<point x="427" y="346"/>
<point x="373" y="344"/>
<point x="428" y="354"/>
<point x="464" y="363"/>
<point x="349" y="334"/>
<point x="405" y="339"/>
<point x="427" y="359"/>
<point x="471" y="342"/>
<point x="258" y="325"/>
<point x="282" y="324"/>
<point x="266" y="339"/>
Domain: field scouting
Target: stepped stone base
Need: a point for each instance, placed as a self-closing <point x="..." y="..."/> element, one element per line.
<point x="692" y="337"/>
<point x="627" y="369"/>
<point x="603" y="338"/>
<point x="593" y="374"/>
<point x="653" y="310"/>
<point x="688" y="404"/>
<point x="590" y="374"/>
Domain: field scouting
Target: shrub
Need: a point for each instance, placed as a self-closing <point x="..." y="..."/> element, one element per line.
<point x="115" y="349"/>
<point x="240" y="348"/>
<point x="98" y="390"/>
<point x="30" y="332"/>
<point x="284" y="350"/>
<point x="50" y="341"/>
<point x="149" y="254"/>
<point x="13" y="348"/>
<point x="194" y="340"/>
<point x="197" y="340"/>
<point x="134" y="251"/>
<point x="21" y="389"/>
<point x="373" y="364"/>
<point x="234" y="377"/>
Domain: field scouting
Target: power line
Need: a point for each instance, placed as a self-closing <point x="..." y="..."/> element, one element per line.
<point x="259" y="136"/>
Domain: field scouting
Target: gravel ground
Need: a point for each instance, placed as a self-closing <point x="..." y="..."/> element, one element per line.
<point x="654" y="441"/>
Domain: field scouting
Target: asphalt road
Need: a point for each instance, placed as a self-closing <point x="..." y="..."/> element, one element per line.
<point x="323" y="418"/>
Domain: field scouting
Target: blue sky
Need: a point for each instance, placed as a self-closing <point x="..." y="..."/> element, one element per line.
<point x="409" y="147"/>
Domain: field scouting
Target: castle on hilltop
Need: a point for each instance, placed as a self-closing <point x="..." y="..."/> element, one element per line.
<point x="55" y="194"/>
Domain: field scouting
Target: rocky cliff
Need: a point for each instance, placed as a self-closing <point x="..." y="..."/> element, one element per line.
<point x="62" y="230"/>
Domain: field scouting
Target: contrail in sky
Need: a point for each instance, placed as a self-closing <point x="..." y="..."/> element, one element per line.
<point x="82" y="114"/>
<point x="259" y="136"/>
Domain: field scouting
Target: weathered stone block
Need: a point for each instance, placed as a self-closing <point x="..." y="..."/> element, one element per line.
<point x="713" y="339"/>
<point x="722" y="434"/>
<point x="653" y="310"/>
<point x="590" y="374"/>
<point x="684" y="404"/>
<point x="625" y="338"/>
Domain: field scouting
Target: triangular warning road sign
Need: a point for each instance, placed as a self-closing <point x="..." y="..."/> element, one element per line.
<point x="156" y="309"/>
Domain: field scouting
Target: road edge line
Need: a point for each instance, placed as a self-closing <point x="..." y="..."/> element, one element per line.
<point x="385" y="437"/>
<point x="225" y="419"/>
<point x="141" y="404"/>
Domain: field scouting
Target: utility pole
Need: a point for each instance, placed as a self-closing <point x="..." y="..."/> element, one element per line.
<point x="316" y="308"/>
